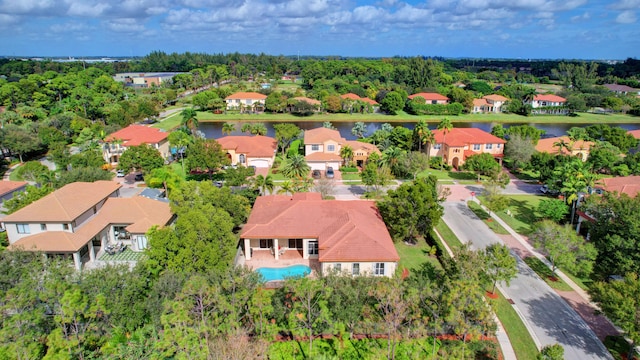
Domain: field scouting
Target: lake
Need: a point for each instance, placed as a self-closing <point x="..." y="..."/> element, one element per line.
<point x="213" y="130"/>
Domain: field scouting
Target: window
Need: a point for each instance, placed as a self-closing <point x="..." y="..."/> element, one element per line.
<point x="331" y="148"/>
<point x="488" y="146"/>
<point x="499" y="146"/>
<point x="65" y="226"/>
<point x="23" y="228"/>
<point x="241" y="159"/>
<point x="295" y="243"/>
<point x="456" y="150"/>
<point x="43" y="227"/>
<point x="355" y="269"/>
<point x="315" y="147"/>
<point x="313" y="248"/>
<point x="476" y="147"/>
<point x="434" y="102"/>
<point x="142" y="242"/>
<point x="378" y="269"/>
<point x="338" y="267"/>
<point x="266" y="243"/>
<point x="437" y="146"/>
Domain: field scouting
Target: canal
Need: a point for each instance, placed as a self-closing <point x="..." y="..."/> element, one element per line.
<point x="213" y="130"/>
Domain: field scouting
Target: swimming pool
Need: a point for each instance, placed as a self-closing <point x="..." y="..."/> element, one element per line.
<point x="270" y="274"/>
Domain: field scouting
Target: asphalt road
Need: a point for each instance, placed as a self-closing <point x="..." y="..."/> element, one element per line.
<point x="548" y="317"/>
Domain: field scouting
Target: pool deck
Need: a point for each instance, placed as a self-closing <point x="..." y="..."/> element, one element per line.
<point x="262" y="259"/>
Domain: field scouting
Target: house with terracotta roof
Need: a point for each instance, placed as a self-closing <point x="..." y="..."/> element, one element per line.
<point x="495" y="102"/>
<point x="460" y="143"/>
<point x="553" y="145"/>
<point x="431" y="98"/>
<point x="635" y="134"/>
<point x="629" y="185"/>
<point x="327" y="235"/>
<point x="355" y="97"/>
<point x="9" y="188"/>
<point x="79" y="220"/>
<point x="543" y="100"/>
<point x="322" y="149"/>
<point x="258" y="151"/>
<point x="246" y="100"/>
<point x="480" y="106"/>
<point x="317" y="104"/>
<point x="361" y="151"/>
<point x="133" y="135"/>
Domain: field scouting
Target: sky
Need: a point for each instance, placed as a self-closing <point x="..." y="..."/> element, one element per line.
<point x="520" y="29"/>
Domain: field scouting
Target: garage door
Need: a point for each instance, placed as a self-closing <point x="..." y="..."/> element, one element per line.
<point x="317" y="166"/>
<point x="259" y="163"/>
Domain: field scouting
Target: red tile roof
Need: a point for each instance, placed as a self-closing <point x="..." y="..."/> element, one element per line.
<point x="11" y="186"/>
<point x="547" y="145"/>
<point x="357" y="145"/>
<point x="346" y="230"/>
<point x="322" y="157"/>
<point x="134" y="135"/>
<point x="369" y="101"/>
<point x="251" y="146"/>
<point x="350" y="96"/>
<point x="635" y="133"/>
<point x="246" y="95"/>
<point x="629" y="185"/>
<point x="465" y="136"/>
<point x="549" y="97"/>
<point x="66" y="203"/>
<point x="308" y="100"/>
<point x="429" y="96"/>
<point x="320" y="135"/>
<point x="480" y="102"/>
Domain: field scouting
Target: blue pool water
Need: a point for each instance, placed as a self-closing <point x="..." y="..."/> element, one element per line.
<point x="269" y="274"/>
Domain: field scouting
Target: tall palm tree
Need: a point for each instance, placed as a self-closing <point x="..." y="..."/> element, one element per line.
<point x="189" y="119"/>
<point x="445" y="125"/>
<point x="429" y="138"/>
<point x="346" y="153"/>
<point x="421" y="128"/>
<point x="264" y="183"/>
<point x="391" y="156"/>
<point x="562" y="144"/>
<point x="228" y="128"/>
<point x="286" y="187"/>
<point x="295" y="167"/>
<point x="259" y="129"/>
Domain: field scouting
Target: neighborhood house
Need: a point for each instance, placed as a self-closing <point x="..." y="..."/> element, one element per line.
<point x="345" y="236"/>
<point x="133" y="135"/>
<point x="322" y="149"/>
<point x="458" y="144"/>
<point x="246" y="100"/>
<point x="80" y="220"/>
<point x="431" y="98"/>
<point x="564" y="145"/>
<point x="258" y="151"/>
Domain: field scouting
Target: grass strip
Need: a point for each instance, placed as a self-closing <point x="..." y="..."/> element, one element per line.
<point x="521" y="341"/>
<point x="488" y="220"/>
<point x="545" y="273"/>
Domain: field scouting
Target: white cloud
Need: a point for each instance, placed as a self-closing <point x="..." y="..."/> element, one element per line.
<point x="626" y="17"/>
<point x="72" y="26"/>
<point x="125" y="26"/>
<point x="626" y="5"/>
<point x="579" y="18"/>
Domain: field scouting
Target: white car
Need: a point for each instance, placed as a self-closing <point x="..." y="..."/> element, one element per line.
<point x="120" y="173"/>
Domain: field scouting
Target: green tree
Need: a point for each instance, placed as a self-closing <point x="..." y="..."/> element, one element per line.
<point x="228" y="128"/>
<point x="553" y="209"/>
<point x="482" y="164"/>
<point x="22" y="199"/>
<point x="164" y="177"/>
<point x="526" y="132"/>
<point x="205" y="156"/>
<point x="346" y="153"/>
<point x="375" y="177"/>
<point x="412" y="210"/>
<point x="500" y="265"/>
<point x="180" y="141"/>
<point x="31" y="171"/>
<point x="295" y="166"/>
<point x="551" y="352"/>
<point x="620" y="301"/>
<point x="264" y="183"/>
<point x="392" y="103"/>
<point x="19" y="141"/>
<point x="83" y="174"/>
<point x="420" y="133"/>
<point x="309" y="309"/>
<point x="563" y="247"/>
<point x="499" y="131"/>
<point x="359" y="129"/>
<point x="285" y="134"/>
<point x="519" y="150"/>
<point x="189" y="119"/>
<point x="142" y="157"/>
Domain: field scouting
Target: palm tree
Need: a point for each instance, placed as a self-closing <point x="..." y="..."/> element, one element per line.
<point x="189" y="119"/>
<point x="286" y="188"/>
<point x="420" y="130"/>
<point x="259" y="129"/>
<point x="295" y="167"/>
<point x="264" y="183"/>
<point x="429" y="138"/>
<point x="228" y="128"/>
<point x="391" y="156"/>
<point x="562" y="144"/>
<point x="445" y="125"/>
<point x="346" y="153"/>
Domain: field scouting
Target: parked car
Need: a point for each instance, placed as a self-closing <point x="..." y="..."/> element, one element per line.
<point x="139" y="177"/>
<point x="120" y="173"/>
<point x="545" y="190"/>
<point x="329" y="173"/>
<point x="316" y="174"/>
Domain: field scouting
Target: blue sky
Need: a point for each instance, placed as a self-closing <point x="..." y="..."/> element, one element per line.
<point x="538" y="29"/>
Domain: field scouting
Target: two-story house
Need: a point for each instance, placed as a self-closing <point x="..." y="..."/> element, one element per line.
<point x="246" y="101"/>
<point x="328" y="235"/>
<point x="80" y="219"/>
<point x="544" y="100"/>
<point x="431" y="98"/>
<point x="458" y="144"/>
<point x="565" y="146"/>
<point x="133" y="135"/>
<point x="258" y="151"/>
<point x="323" y="146"/>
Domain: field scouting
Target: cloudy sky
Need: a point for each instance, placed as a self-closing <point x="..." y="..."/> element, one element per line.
<point x="577" y="29"/>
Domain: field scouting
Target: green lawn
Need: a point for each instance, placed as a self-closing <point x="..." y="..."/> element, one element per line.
<point x="523" y="345"/>
<point x="171" y="122"/>
<point x="449" y="237"/>
<point x="177" y="167"/>
<point x="449" y="175"/>
<point x="486" y="218"/>
<point x="545" y="273"/>
<point x="413" y="256"/>
<point x="522" y="209"/>
<point x="350" y="176"/>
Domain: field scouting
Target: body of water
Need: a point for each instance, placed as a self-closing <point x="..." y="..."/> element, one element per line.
<point x="270" y="274"/>
<point x="213" y="130"/>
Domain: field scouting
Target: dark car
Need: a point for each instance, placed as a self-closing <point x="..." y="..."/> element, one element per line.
<point x="329" y="173"/>
<point x="139" y="177"/>
<point x="315" y="174"/>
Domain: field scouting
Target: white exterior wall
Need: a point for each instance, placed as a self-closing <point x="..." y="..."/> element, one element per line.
<point x="366" y="268"/>
<point x="261" y="162"/>
<point x="322" y="166"/>
<point x="308" y="149"/>
<point x="34" y="228"/>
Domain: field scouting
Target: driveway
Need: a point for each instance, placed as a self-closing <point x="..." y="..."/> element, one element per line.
<point x="549" y="318"/>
